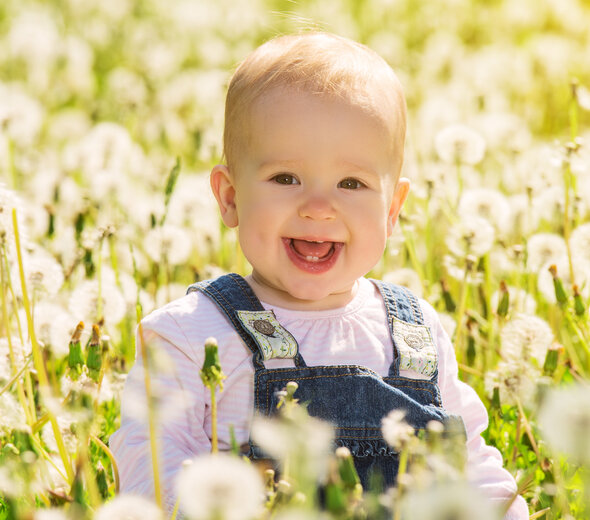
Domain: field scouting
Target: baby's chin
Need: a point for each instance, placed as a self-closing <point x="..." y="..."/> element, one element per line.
<point x="309" y="295"/>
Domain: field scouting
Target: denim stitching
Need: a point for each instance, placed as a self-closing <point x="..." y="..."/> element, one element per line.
<point x="334" y="376"/>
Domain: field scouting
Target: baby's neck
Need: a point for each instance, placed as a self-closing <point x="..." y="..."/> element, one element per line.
<point x="274" y="296"/>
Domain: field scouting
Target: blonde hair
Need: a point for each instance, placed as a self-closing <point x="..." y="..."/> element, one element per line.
<point x="319" y="63"/>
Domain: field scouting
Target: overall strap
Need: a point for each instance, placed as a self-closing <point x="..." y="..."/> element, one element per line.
<point x="401" y="306"/>
<point x="231" y="293"/>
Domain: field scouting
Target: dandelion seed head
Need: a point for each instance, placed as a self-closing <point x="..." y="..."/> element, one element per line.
<point x="524" y="221"/>
<point x="34" y="36"/>
<point x="66" y="421"/>
<point x="193" y="206"/>
<point x="456" y="500"/>
<point x="220" y="486"/>
<point x="544" y="248"/>
<point x="396" y="431"/>
<point x="50" y="514"/>
<point x="44" y="274"/>
<point x="20" y="353"/>
<point x="21" y="116"/>
<point x="407" y="277"/>
<point x="515" y="379"/>
<point x="54" y="325"/>
<point x="473" y="236"/>
<point x="306" y="438"/>
<point x="486" y="203"/>
<point x="126" y="87"/>
<point x="459" y="144"/>
<point x="66" y="123"/>
<point x="168" y="242"/>
<point x="548" y="204"/>
<point x="564" y="419"/>
<point x="129" y="507"/>
<point x="12" y="415"/>
<point x="524" y="337"/>
<point x="83" y="302"/>
<point x="580" y="241"/>
<point x="504" y="130"/>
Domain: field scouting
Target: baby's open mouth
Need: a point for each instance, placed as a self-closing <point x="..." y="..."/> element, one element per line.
<point x="312" y="251"/>
<point x="312" y="256"/>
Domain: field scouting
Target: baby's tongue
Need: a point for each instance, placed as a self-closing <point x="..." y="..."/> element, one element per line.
<point x="305" y="248"/>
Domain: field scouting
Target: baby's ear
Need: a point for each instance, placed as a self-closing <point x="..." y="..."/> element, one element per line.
<point x="402" y="188"/>
<point x="225" y="194"/>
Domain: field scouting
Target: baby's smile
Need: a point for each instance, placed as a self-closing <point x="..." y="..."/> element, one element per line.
<point x="312" y="256"/>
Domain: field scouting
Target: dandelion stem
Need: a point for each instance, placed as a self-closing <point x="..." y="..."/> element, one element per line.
<point x="528" y="429"/>
<point x="38" y="356"/>
<point x="403" y="466"/>
<point x="582" y="339"/>
<point x="461" y="313"/>
<point x="111" y="457"/>
<point x="16" y="375"/>
<point x="213" y="421"/>
<point x="151" y="414"/>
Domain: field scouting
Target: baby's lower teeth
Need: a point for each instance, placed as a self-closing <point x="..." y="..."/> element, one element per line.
<point x="312" y="258"/>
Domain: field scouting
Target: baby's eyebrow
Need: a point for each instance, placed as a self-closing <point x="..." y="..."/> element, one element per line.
<point x="356" y="165"/>
<point x="274" y="163"/>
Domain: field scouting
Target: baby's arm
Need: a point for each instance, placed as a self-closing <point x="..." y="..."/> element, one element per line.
<point x="180" y="407"/>
<point x="484" y="463"/>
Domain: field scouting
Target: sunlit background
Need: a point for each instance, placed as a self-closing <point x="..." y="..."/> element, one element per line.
<point x="99" y="99"/>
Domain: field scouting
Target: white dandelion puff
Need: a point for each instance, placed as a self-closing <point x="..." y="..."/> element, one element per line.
<point x="305" y="439"/>
<point x="526" y="337"/>
<point x="43" y="273"/>
<point x="83" y="302"/>
<point x="564" y="419"/>
<point x="21" y="116"/>
<point x="473" y="236"/>
<point x="20" y="353"/>
<point x="407" y="277"/>
<point x="486" y="203"/>
<point x="396" y="431"/>
<point x="548" y="204"/>
<point x="12" y="415"/>
<point x="129" y="507"/>
<point x="515" y="380"/>
<point x="168" y="242"/>
<point x="459" y="144"/>
<point x="543" y="248"/>
<point x="220" y="486"/>
<point x="580" y="241"/>
<point x="50" y="514"/>
<point x="456" y="500"/>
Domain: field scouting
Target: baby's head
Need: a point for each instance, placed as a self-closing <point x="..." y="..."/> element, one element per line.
<point x="322" y="64"/>
<point x="314" y="137"/>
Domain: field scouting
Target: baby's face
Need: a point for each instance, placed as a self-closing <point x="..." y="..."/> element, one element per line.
<point x="315" y="197"/>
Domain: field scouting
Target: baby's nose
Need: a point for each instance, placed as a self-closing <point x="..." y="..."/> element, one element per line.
<point x="317" y="207"/>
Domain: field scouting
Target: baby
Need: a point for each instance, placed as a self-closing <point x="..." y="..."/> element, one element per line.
<point x="313" y="143"/>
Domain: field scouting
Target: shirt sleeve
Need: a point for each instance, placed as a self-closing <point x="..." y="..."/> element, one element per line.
<point x="484" y="463"/>
<point x="179" y="405"/>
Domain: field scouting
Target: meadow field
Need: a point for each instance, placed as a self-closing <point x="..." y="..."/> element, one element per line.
<point x="111" y="116"/>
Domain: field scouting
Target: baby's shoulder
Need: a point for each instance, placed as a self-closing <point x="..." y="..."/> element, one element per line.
<point x="190" y="319"/>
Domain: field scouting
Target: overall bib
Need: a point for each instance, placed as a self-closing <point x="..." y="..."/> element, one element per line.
<point x="353" y="398"/>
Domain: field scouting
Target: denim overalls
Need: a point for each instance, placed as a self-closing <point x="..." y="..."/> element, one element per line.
<point x="353" y="398"/>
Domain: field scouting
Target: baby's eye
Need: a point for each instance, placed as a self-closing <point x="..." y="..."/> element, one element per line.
<point x="350" y="184"/>
<point x="285" y="178"/>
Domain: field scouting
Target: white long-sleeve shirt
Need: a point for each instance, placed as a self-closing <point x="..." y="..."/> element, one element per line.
<point x="357" y="334"/>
